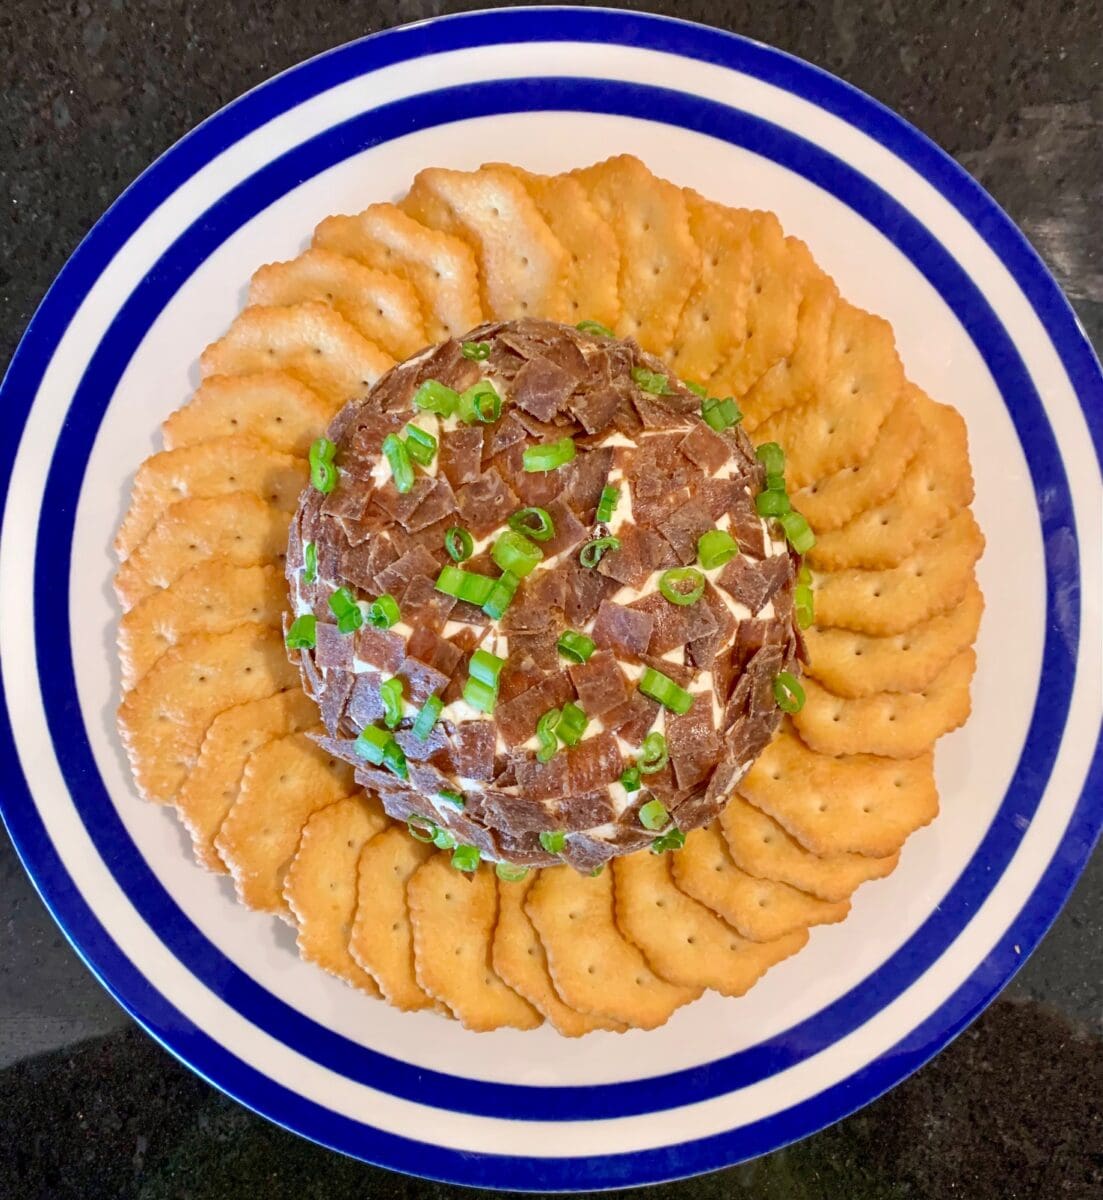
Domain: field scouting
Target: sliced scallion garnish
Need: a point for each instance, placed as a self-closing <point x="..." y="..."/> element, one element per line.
<point x="371" y="743"/>
<point x="549" y="456"/>
<point x="553" y="842"/>
<point x="595" y="327"/>
<point x="661" y="687"/>
<point x="510" y="872"/>
<point x="480" y="402"/>
<point x="303" y="633"/>
<point x="384" y="612"/>
<point x="575" y="646"/>
<point x="654" y="754"/>
<point x="501" y="595"/>
<point x="398" y="457"/>
<point x="486" y="667"/>
<point x="674" y="840"/>
<point x="420" y="446"/>
<point x="421" y="829"/>
<point x="476" y="351"/>
<point x="390" y="692"/>
<point x="447" y="796"/>
<point x="594" y="550"/>
<point x="480" y="696"/>
<point x="545" y="735"/>
<point x="653" y="382"/>
<point x="343" y="605"/>
<point x="788" y="693"/>
<point x="436" y="398"/>
<point x="310" y="563"/>
<point x="798" y="531"/>
<point x="772" y="504"/>
<point x="682" y="585"/>
<point x="720" y="414"/>
<point x="572" y="724"/>
<point x="804" y="606"/>
<point x="653" y="815"/>
<point x="772" y="457"/>
<point x="606" y="506"/>
<point x="513" y="552"/>
<point x="427" y="717"/>
<point x="466" y="858"/>
<point x="715" y="548"/>
<point x="630" y="779"/>
<point x="464" y="585"/>
<point x="323" y="474"/>
<point x="459" y="544"/>
<point x="535" y="523"/>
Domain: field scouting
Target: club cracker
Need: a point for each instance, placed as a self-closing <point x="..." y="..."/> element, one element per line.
<point x="239" y="529"/>
<point x="270" y="405"/>
<point x="379" y="304"/>
<point x="213" y="597"/>
<point x="595" y="969"/>
<point x="211" y="787"/>
<point x="853" y="805"/>
<point x="284" y="784"/>
<point x="453" y="917"/>
<point x="759" y="846"/>
<point x="522" y="264"/>
<point x="932" y="580"/>
<point x="519" y="959"/>
<point x="854" y="664"/>
<point x="309" y="341"/>
<point x="440" y="268"/>
<point x="381" y="940"/>
<point x="659" y="260"/>
<point x="320" y="885"/>
<point x="833" y="500"/>
<point x="759" y="909"/>
<point x="937" y="483"/>
<point x="215" y="468"/>
<point x="890" y="724"/>
<point x="684" y="941"/>
<point x="163" y="720"/>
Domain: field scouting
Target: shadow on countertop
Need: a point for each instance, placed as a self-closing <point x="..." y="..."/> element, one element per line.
<point x="117" y="1117"/>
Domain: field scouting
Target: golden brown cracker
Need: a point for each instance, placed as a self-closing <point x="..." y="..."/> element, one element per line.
<point x="714" y="319"/>
<point x="937" y="483"/>
<point x="933" y="579"/>
<point x="519" y="959"/>
<point x="309" y="341"/>
<point x="320" y="885"/>
<point x="659" y="260"/>
<point x="684" y="941"/>
<point x="522" y="264"/>
<point x="379" y="304"/>
<point x="759" y="909"/>
<point x="382" y="939"/>
<point x="855" y="664"/>
<point x="759" y="846"/>
<point x="441" y="268"/>
<point x="214" y="468"/>
<point x="163" y="720"/>
<point x="211" y="787"/>
<point x="240" y="529"/>
<point x="858" y="804"/>
<point x="889" y="724"/>
<point x="213" y="597"/>
<point x="453" y="916"/>
<point x="270" y="405"/>
<point x="595" y="969"/>
<point x="284" y="783"/>
<point x="833" y="500"/>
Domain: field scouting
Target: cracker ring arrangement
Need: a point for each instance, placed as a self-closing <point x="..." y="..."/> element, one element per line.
<point x="629" y="579"/>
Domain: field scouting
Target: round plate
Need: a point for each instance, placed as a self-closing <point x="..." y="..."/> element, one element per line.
<point x="980" y="324"/>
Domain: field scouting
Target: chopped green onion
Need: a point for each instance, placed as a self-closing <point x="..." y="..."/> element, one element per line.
<point x="481" y="402"/>
<point x="595" y="327"/>
<point x="459" y="544"/>
<point x="715" y="548"/>
<point x="630" y="779"/>
<point x="804" y="575"/>
<point x="310" y="563"/>
<point x="427" y="717"/>
<point x="390" y="692"/>
<point x="798" y="531"/>
<point x="501" y="595"/>
<point x="395" y="452"/>
<point x="682" y="585"/>
<point x="772" y="457"/>
<point x="450" y="797"/>
<point x="654" y="754"/>
<point x="651" y="381"/>
<point x="480" y="695"/>
<point x="662" y="688"/>
<point x="394" y="759"/>
<point x="466" y="858"/>
<point x="421" y="828"/>
<point x="653" y="815"/>
<point x="698" y="389"/>
<point x="575" y="646"/>
<point x="323" y="474"/>
<point x="510" y="872"/>
<point x="444" y="839"/>
<point x="572" y="724"/>
<point x="420" y="446"/>
<point x="476" y="351"/>
<point x="486" y="667"/>
<point x="593" y="552"/>
<point x="549" y="456"/>
<point x="435" y="397"/>
<point x="776" y="483"/>
<point x="513" y="552"/>
<point x="788" y="693"/>
<point x="342" y="603"/>
<point x="303" y="632"/>
<point x="772" y="504"/>
<point x="535" y="523"/>
<point x="597" y="870"/>
<point x="674" y="840"/>
<point x="545" y="733"/>
<point x="553" y="843"/>
<point x="464" y="585"/>
<point x="384" y="612"/>
<point x="371" y="744"/>
<point x="607" y="504"/>
<point x="804" y="605"/>
<point x="720" y="414"/>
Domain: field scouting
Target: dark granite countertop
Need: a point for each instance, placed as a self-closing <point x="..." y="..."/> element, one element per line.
<point x="89" y="1106"/>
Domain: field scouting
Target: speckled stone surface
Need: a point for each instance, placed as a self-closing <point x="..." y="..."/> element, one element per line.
<point x="89" y="1106"/>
